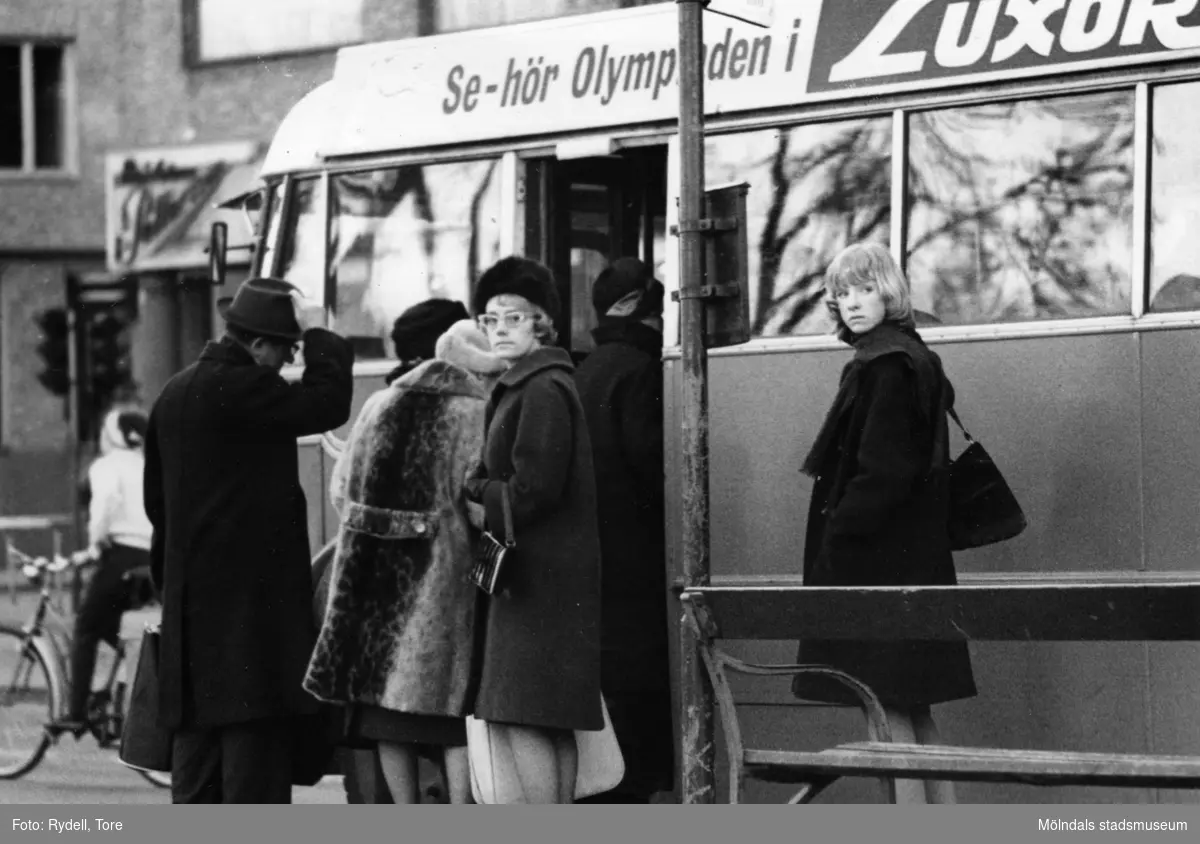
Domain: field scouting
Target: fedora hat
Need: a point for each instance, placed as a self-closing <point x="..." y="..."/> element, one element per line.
<point x="263" y="306"/>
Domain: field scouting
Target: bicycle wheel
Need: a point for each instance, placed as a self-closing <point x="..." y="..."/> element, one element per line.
<point x="29" y="697"/>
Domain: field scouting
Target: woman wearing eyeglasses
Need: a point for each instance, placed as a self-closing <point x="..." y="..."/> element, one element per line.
<point x="539" y="674"/>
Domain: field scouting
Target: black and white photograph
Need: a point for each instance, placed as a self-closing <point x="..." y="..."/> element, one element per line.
<point x="600" y="402"/>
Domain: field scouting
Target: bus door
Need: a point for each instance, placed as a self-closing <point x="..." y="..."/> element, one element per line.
<point x="581" y="214"/>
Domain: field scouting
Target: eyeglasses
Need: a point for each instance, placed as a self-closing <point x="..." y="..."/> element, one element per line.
<point x="512" y="320"/>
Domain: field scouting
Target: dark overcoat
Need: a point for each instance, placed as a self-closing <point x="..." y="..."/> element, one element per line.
<point x="879" y="513"/>
<point x="398" y="626"/>
<point x="621" y="388"/>
<point x="230" y="551"/>
<point x="540" y="661"/>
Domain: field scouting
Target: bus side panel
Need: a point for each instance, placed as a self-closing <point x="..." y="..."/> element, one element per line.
<point x="1171" y="409"/>
<point x="1171" y="441"/>
<point x="1061" y="416"/>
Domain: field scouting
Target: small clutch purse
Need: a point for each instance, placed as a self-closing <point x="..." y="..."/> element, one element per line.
<point x="491" y="553"/>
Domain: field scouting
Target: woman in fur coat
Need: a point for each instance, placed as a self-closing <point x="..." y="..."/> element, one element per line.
<point x="398" y="634"/>
<point x="880" y="504"/>
<point x="540" y="667"/>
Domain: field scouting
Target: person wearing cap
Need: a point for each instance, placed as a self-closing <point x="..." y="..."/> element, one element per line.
<point x="539" y="675"/>
<point x="416" y="331"/>
<point x="397" y="638"/>
<point x="230" y="550"/>
<point x="621" y="389"/>
<point x="119" y="541"/>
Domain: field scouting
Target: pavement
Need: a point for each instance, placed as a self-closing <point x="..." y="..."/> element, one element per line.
<point x="82" y="772"/>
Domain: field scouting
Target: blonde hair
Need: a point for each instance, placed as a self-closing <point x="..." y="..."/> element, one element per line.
<point x="869" y="263"/>
<point x="543" y="326"/>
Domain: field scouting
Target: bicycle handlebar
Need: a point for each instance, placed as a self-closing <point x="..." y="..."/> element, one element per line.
<point x="31" y="567"/>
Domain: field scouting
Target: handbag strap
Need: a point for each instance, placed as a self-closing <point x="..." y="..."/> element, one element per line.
<point x="959" y="423"/>
<point x="509" y="542"/>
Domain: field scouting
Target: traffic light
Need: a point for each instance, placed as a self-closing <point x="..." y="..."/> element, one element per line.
<point x="109" y="369"/>
<point x="54" y="350"/>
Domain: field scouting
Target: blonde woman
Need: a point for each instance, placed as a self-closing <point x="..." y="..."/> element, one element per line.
<point x="539" y="677"/>
<point x="880" y="501"/>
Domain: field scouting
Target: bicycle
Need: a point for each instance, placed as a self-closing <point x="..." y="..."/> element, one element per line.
<point x="33" y="679"/>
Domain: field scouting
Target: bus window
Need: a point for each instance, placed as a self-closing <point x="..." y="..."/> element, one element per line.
<point x="300" y="259"/>
<point x="1174" y="202"/>
<point x="271" y="217"/>
<point x="400" y="235"/>
<point x="1022" y="210"/>
<point x="814" y="189"/>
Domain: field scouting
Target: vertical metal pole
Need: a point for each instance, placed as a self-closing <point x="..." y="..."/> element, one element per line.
<point x="75" y="415"/>
<point x="695" y="692"/>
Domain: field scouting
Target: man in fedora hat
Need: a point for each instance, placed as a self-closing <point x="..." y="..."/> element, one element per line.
<point x="230" y="552"/>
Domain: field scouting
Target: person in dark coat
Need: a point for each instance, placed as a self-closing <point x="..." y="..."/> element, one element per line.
<point x="230" y="550"/>
<point x="621" y="388"/>
<point x="539" y="677"/>
<point x="880" y="505"/>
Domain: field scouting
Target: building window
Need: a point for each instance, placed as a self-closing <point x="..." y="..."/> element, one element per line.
<point x="33" y="106"/>
<point x="1022" y="210"/>
<point x="230" y="30"/>
<point x="814" y="190"/>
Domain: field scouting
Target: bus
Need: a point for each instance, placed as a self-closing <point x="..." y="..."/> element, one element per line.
<point x="1033" y="166"/>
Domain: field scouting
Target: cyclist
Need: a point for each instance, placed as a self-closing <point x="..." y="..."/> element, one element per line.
<point x="119" y="538"/>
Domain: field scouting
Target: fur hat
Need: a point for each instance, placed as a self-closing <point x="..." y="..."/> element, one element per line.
<point x="627" y="290"/>
<point x="417" y="329"/>
<point x="518" y="277"/>
<point x="466" y="346"/>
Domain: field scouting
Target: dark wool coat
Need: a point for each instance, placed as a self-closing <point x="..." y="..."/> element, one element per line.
<point x="230" y="550"/>
<point x="621" y="389"/>
<point x="879" y="513"/>
<point x="398" y="627"/>
<point x="541" y="638"/>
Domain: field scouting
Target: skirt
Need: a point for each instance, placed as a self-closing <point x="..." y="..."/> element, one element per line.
<point x="367" y="725"/>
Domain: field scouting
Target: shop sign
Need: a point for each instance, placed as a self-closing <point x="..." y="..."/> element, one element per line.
<point x="161" y="202"/>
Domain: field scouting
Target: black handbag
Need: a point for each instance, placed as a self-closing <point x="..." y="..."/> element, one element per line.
<point x="983" y="509"/>
<point x="491" y="553"/>
<point x="145" y="744"/>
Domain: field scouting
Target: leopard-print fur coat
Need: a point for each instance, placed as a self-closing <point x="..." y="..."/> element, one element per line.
<point x="398" y="629"/>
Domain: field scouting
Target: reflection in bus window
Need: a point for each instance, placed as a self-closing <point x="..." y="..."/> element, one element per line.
<point x="405" y="234"/>
<point x="1174" y="201"/>
<point x="591" y="246"/>
<point x="1022" y="210"/>
<point x="813" y="190"/>
<point x="271" y="212"/>
<point x="303" y="247"/>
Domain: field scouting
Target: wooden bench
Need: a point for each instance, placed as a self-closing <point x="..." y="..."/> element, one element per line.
<point x="1033" y="612"/>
